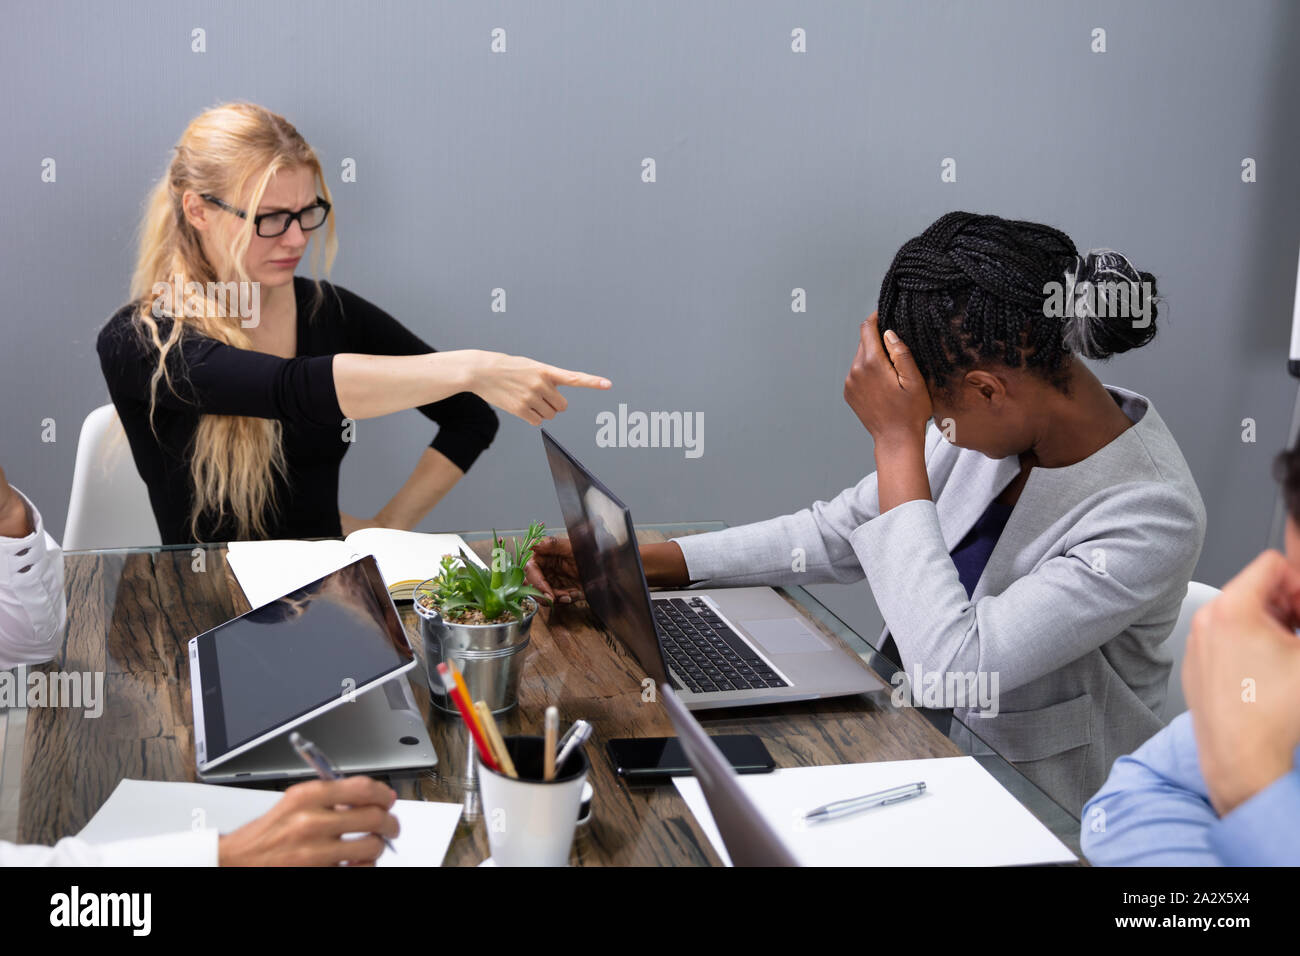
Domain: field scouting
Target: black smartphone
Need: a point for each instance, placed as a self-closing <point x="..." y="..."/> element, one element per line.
<point x="648" y="758"/>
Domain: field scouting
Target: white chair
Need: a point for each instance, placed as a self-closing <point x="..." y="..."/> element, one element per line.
<point x="109" y="507"/>
<point x="1197" y="595"/>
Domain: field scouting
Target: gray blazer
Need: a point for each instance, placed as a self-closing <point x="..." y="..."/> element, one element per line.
<point x="1079" y="594"/>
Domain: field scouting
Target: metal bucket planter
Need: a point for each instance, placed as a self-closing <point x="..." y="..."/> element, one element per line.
<point x="489" y="656"/>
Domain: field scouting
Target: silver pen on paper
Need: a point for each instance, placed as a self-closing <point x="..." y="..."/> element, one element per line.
<point x="841" y="808"/>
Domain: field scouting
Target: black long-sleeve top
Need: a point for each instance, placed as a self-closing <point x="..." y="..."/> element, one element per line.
<point x="213" y="378"/>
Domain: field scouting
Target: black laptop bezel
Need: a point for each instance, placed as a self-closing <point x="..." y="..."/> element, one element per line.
<point x="656" y="667"/>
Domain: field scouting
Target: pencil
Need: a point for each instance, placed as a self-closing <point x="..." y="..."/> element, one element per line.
<point x="494" y="738"/>
<point x="464" y="691"/>
<point x="552" y="732"/>
<point x="484" y="752"/>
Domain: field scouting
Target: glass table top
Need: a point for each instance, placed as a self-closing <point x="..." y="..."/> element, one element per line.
<point x="121" y="576"/>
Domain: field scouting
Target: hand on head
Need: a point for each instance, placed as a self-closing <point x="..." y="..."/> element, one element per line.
<point x="884" y="387"/>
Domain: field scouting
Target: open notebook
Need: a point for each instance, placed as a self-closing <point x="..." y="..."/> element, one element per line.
<point x="268" y="570"/>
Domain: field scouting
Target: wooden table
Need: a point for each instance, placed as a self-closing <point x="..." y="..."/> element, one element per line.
<point x="131" y="614"/>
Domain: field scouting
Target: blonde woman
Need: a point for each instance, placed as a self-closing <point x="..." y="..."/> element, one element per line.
<point x="234" y="378"/>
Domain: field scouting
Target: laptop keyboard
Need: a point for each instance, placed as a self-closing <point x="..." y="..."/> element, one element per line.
<point x="704" y="652"/>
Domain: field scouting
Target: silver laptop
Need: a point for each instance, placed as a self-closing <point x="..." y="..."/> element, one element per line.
<point x="329" y="660"/>
<point x="749" y="839"/>
<point x="724" y="647"/>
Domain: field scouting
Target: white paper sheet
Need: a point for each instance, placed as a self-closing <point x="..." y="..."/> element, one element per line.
<point x="268" y="570"/>
<point x="965" y="817"/>
<point x="144" y="808"/>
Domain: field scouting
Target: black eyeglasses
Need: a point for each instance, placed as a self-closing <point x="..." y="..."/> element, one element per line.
<point x="271" y="224"/>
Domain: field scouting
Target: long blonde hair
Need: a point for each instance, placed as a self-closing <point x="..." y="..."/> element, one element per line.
<point x="234" y="460"/>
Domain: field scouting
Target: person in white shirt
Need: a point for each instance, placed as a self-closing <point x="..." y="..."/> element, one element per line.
<point x="307" y="827"/>
<point x="32" y="605"/>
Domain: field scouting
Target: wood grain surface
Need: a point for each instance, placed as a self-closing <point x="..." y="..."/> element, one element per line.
<point x="132" y="615"/>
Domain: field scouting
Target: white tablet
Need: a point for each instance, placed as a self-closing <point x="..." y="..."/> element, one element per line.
<point x="280" y="665"/>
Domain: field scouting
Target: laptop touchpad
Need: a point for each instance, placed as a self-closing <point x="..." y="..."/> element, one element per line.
<point x="787" y="635"/>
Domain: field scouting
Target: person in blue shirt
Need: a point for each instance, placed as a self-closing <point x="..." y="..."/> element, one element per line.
<point x="1221" y="784"/>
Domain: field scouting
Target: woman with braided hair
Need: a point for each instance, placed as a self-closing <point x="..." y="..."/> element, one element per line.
<point x="1027" y="527"/>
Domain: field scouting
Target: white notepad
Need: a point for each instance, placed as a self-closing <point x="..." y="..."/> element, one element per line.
<point x="268" y="570"/>
<point x="965" y="817"/>
<point x="146" y="808"/>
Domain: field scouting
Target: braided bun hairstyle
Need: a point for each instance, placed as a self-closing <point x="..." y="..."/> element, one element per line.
<point x="973" y="290"/>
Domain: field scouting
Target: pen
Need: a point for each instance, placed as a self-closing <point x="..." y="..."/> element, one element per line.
<point x="567" y="734"/>
<point x="576" y="737"/>
<point x="842" y="808"/>
<point x="310" y="753"/>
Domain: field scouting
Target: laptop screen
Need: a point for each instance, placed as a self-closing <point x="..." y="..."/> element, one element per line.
<point x="288" y="658"/>
<point x="605" y="551"/>
<point x="748" y="835"/>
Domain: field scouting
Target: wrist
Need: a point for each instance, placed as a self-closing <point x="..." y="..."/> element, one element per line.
<point x="901" y="474"/>
<point x="388" y="517"/>
<point x="899" y="445"/>
<point x="469" y="368"/>
<point x="1231" y="787"/>
<point x="14" y="520"/>
<point x="665" y="565"/>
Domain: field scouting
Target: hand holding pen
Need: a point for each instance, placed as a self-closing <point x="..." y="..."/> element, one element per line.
<point x="314" y="758"/>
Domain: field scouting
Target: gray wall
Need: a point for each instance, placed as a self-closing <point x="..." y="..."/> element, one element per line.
<point x="775" y="170"/>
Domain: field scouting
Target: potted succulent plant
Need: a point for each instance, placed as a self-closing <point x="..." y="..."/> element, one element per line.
<point x="479" y="618"/>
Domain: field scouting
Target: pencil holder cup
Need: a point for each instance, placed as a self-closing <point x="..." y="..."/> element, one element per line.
<point x="489" y="656"/>
<point x="530" y="821"/>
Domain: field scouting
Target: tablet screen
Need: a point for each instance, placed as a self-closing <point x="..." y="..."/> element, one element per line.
<point x="290" y="657"/>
